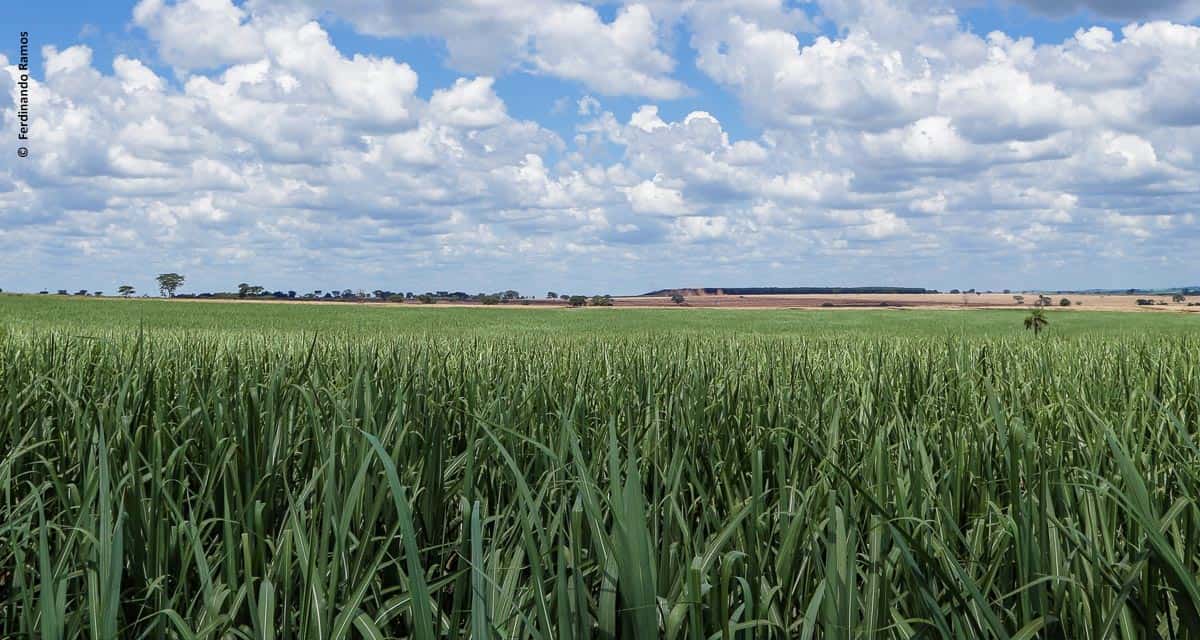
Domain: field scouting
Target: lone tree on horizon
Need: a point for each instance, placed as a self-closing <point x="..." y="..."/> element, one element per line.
<point x="125" y="290"/>
<point x="168" y="283"/>
<point x="1037" y="321"/>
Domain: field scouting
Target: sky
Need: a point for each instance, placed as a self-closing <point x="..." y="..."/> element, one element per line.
<point x="601" y="147"/>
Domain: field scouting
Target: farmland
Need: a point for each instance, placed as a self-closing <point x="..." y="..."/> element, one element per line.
<point x="288" y="471"/>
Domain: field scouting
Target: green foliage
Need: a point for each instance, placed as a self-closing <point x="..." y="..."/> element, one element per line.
<point x="577" y="301"/>
<point x="97" y="316"/>
<point x="1036" y="321"/>
<point x="168" y="283"/>
<point x="395" y="474"/>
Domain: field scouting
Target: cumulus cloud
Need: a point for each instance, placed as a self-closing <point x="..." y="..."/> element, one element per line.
<point x="561" y="38"/>
<point x="650" y="196"/>
<point x="469" y="103"/>
<point x="897" y="140"/>
<point x="199" y="34"/>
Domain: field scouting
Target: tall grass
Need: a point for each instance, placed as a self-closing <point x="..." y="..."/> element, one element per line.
<point x="278" y="486"/>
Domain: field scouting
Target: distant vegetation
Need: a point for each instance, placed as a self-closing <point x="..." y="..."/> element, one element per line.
<point x="169" y="284"/>
<point x="759" y="291"/>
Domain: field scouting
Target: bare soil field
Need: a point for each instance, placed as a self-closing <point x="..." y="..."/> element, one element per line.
<point x="1079" y="302"/>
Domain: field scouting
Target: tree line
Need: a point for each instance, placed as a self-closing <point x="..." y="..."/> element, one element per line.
<point x="170" y="283"/>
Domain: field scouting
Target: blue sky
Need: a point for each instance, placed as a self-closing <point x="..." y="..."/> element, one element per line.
<point x="604" y="146"/>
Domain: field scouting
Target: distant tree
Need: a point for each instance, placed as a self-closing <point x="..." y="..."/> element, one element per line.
<point x="1179" y="297"/>
<point x="168" y="283"/>
<point x="1019" y="299"/>
<point x="955" y="291"/>
<point x="577" y="301"/>
<point x="291" y="294"/>
<point x="245" y="290"/>
<point x="1064" y="303"/>
<point x="564" y="297"/>
<point x="510" y="295"/>
<point x="1036" y="320"/>
<point x="602" y="301"/>
<point x="347" y="293"/>
<point x="550" y="295"/>
<point x="677" y="298"/>
<point x="489" y="300"/>
<point x="317" y="292"/>
<point x="81" y="292"/>
<point x="98" y="294"/>
<point x="62" y="292"/>
<point x="126" y="290"/>
<point x="425" y="298"/>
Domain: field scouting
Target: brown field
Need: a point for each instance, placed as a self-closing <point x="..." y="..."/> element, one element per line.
<point x="908" y="301"/>
<point x="1079" y="302"/>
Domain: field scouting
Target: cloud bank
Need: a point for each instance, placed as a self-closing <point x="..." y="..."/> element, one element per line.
<point x="898" y="147"/>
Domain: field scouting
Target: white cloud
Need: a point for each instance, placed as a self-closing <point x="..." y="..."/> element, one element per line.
<point x="650" y="196"/>
<point x="562" y="38"/>
<point x="898" y="138"/>
<point x="469" y="103"/>
<point x="588" y="106"/>
<point x="646" y="118"/>
<point x="136" y="76"/>
<point x="621" y="57"/>
<point x="199" y="34"/>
